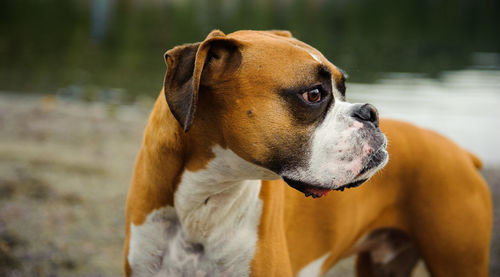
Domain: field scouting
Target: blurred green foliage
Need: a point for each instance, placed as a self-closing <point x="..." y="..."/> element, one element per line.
<point x="51" y="44"/>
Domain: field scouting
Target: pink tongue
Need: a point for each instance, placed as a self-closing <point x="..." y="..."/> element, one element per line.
<point x="318" y="191"/>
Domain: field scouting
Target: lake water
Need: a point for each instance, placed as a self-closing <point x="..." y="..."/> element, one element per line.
<point x="463" y="105"/>
<point x="105" y="44"/>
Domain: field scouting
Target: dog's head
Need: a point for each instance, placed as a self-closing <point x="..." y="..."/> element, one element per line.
<point x="277" y="103"/>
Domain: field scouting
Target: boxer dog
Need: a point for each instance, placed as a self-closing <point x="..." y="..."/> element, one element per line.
<point x="247" y="126"/>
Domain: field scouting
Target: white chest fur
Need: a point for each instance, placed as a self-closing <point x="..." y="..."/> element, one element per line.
<point x="212" y="231"/>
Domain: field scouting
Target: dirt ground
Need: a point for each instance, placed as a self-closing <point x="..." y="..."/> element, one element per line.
<point x="65" y="168"/>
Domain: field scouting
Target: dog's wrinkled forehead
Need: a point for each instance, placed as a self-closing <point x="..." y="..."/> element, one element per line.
<point x="286" y="58"/>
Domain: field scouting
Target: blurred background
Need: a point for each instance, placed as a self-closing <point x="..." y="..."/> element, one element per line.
<point x="78" y="79"/>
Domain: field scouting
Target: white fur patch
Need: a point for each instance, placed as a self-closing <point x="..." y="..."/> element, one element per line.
<point x="314" y="56"/>
<point x="156" y="242"/>
<point x="333" y="149"/>
<point x="336" y="93"/>
<point x="340" y="146"/>
<point x="314" y="268"/>
<point x="212" y="231"/>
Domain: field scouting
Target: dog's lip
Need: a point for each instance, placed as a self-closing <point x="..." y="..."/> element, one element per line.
<point x="308" y="189"/>
<point x="352" y="185"/>
<point x="316" y="191"/>
<point x="376" y="159"/>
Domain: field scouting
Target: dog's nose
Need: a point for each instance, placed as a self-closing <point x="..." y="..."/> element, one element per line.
<point x="366" y="113"/>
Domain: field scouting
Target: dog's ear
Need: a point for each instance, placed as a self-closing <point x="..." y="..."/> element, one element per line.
<point x="185" y="65"/>
<point x="178" y="85"/>
<point x="282" y="33"/>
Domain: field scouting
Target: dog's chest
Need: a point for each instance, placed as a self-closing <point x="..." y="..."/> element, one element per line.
<point x="159" y="247"/>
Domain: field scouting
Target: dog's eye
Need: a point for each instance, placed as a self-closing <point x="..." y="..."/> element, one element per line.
<point x="312" y="96"/>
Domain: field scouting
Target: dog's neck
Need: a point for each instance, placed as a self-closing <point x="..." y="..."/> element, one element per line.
<point x="201" y="178"/>
<point x="219" y="207"/>
<point x="212" y="193"/>
<point x="218" y="199"/>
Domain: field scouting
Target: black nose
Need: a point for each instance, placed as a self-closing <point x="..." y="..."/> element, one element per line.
<point x="366" y="113"/>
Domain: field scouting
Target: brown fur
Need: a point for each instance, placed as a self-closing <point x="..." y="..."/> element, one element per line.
<point x="431" y="189"/>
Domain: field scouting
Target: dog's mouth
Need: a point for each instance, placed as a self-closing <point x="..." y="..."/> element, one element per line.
<point x="377" y="159"/>
<point x="316" y="191"/>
